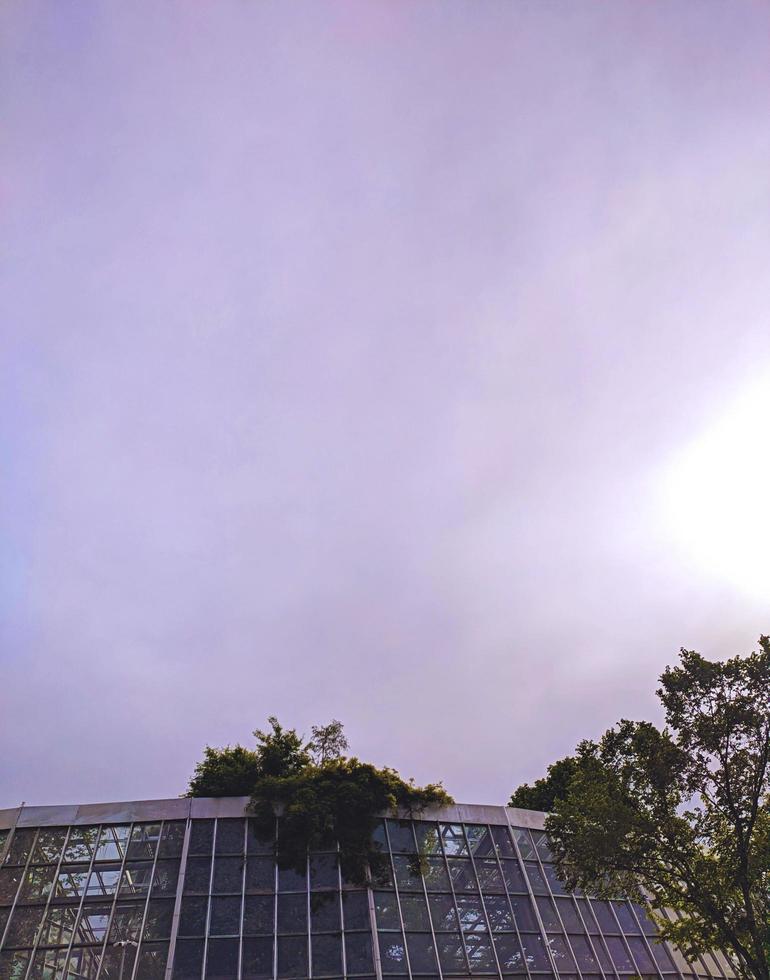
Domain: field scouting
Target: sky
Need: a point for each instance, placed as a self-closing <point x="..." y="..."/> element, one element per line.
<point x="406" y="363"/>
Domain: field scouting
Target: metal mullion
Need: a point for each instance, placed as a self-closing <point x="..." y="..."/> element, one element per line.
<point x="590" y="938"/>
<point x="210" y="901"/>
<point x="46" y="907"/>
<point x="342" y="914"/>
<point x="398" y="902"/>
<point x="275" y="903"/>
<point x="18" y="890"/>
<point x="622" y="934"/>
<point x="602" y="936"/>
<point x="68" y="952"/>
<point x="481" y="897"/>
<point x="533" y="899"/>
<point x="307" y="914"/>
<point x="114" y="897"/>
<point x="454" y="899"/>
<point x="552" y="897"/>
<point x="510" y="903"/>
<point x="427" y="904"/>
<point x="11" y="831"/>
<point x="178" y="898"/>
<point x="244" y="853"/>
<point x="149" y="894"/>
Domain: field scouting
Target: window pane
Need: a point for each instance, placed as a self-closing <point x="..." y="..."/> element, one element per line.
<point x="291" y="880"/>
<point x="523" y="913"/>
<point x="471" y="913"/>
<point x="151" y="964"/>
<point x="21" y="845"/>
<point x="415" y="913"/>
<point x="358" y="950"/>
<point x="386" y="910"/>
<point x="453" y="838"/>
<point x="202" y="837"/>
<point x="256" y="843"/>
<point x="641" y="955"/>
<point x="586" y="960"/>
<point x="407" y="870"/>
<point x="604" y="917"/>
<point x="509" y="953"/>
<point x="355" y="910"/>
<point x="547" y="911"/>
<point x="503" y="844"/>
<point x="192" y="919"/>
<point x="58" y="926"/>
<point x="46" y="964"/>
<point x="257" y="959"/>
<point x="144" y="840"/>
<point x="93" y="924"/>
<point x="292" y="956"/>
<point x="401" y="837"/>
<point x="325" y="912"/>
<point x="172" y="839"/>
<point x="222" y="959"/>
<point x="524" y="842"/>
<point x="499" y="913"/>
<point x="71" y="883"/>
<point x="428" y="841"/>
<point x="225" y="916"/>
<point x="158" y="921"/>
<point x="112" y="843"/>
<point x="461" y="873"/>
<point x="228" y="875"/>
<point x="166" y="876"/>
<point x="136" y="879"/>
<point x="480" y="954"/>
<point x="260" y="874"/>
<point x="9" y="884"/>
<point x="258" y="915"/>
<point x="489" y="875"/>
<point x="323" y="871"/>
<point x="436" y="877"/>
<point x="49" y="845"/>
<point x="81" y="844"/>
<point x="480" y="840"/>
<point x="230" y="836"/>
<point x="451" y="953"/>
<point x="83" y="964"/>
<point x="422" y="956"/>
<point x="626" y="917"/>
<point x="514" y="878"/>
<point x="561" y="954"/>
<point x="536" y="879"/>
<point x="292" y="913"/>
<point x="103" y="881"/>
<point x="534" y="952"/>
<point x="620" y="956"/>
<point x="569" y="915"/>
<point x="197" y="875"/>
<point x="126" y="923"/>
<point x="442" y="912"/>
<point x="22" y="927"/>
<point x="188" y="959"/>
<point x="327" y="955"/>
<point x="392" y="953"/>
<point x="37" y="883"/>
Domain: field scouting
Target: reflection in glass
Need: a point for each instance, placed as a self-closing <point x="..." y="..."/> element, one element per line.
<point x="480" y="954"/>
<point x="401" y="836"/>
<point x="151" y="964"/>
<point x="166" y="875"/>
<point x="21" y="845"/>
<point x="451" y="953"/>
<point x="157" y="923"/>
<point x="324" y="872"/>
<point x="461" y="873"/>
<point x="392" y="953"/>
<point x="471" y="914"/>
<point x="442" y="912"/>
<point x="58" y="926"/>
<point x="453" y="838"/>
<point x="144" y="840"/>
<point x="112" y="843"/>
<point x="479" y="840"/>
<point x="172" y="839"/>
<point x="202" y="837"/>
<point x="228" y="875"/>
<point x="49" y="845"/>
<point x="260" y="874"/>
<point x="22" y="927"/>
<point x="499" y="913"/>
<point x="81" y="844"/>
<point x="37" y="883"/>
<point x="197" y="875"/>
<point x="103" y="880"/>
<point x="94" y="920"/>
<point x="524" y="843"/>
<point x="428" y="841"/>
<point x="509" y="953"/>
<point x="386" y="910"/>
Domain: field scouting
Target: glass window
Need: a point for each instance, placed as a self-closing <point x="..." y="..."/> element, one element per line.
<point x="71" y="882"/>
<point x="151" y="964"/>
<point x="22" y="927"/>
<point x="436" y="876"/>
<point x="258" y="915"/>
<point x="415" y="913"/>
<point x="157" y="923"/>
<point x="524" y="843"/>
<point x="58" y="926"/>
<point x="103" y="881"/>
<point x="461" y="873"/>
<point x="256" y="842"/>
<point x="569" y="915"/>
<point x="392" y="953"/>
<point x="584" y="954"/>
<point x="587" y="915"/>
<point x="324" y="872"/>
<point x="503" y="843"/>
<point x="260" y="874"/>
<point x="428" y="841"/>
<point x="471" y="913"/>
<point x="291" y="880"/>
<point x="292" y="956"/>
<point x="136" y="879"/>
<point x="202" y="837"/>
<point x="46" y="964"/>
<point x="228" y="875"/>
<point x="49" y="845"/>
<point x="9" y="884"/>
<point x="188" y="959"/>
<point x="489" y="875"/>
<point x="641" y="955"/>
<point x="327" y="955"/>
<point x="451" y="953"/>
<point x="144" y="840"/>
<point x="83" y="964"/>
<point x="523" y="913"/>
<point x="662" y="958"/>
<point x="603" y="956"/>
<point x="547" y="911"/>
<point x="358" y="950"/>
<point x="442" y="912"/>
<point x="81" y="844"/>
<point x="453" y="839"/>
<point x="557" y="885"/>
<point x="37" y="883"/>
<point x="225" y="916"/>
<point x="540" y="840"/>
<point x="407" y="871"/>
<point x="499" y="913"/>
<point x="626" y="917"/>
<point x="112" y="843"/>
<point x="94" y="920"/>
<point x="534" y="952"/>
<point x="166" y="876"/>
<point x="257" y="959"/>
<point x="536" y="879"/>
<point x="509" y="953"/>
<point x="325" y="912"/>
<point x="604" y="916"/>
<point x="480" y="954"/>
<point x="401" y="836"/>
<point x="172" y="839"/>
<point x="126" y="923"/>
<point x="197" y="875"/>
<point x="386" y="910"/>
<point x="479" y="840"/>
<point x="620" y="955"/>
<point x="513" y="876"/>
<point x="292" y="913"/>
<point x="21" y="845"/>
<point x="230" y="836"/>
<point x="192" y="918"/>
<point x="422" y="955"/>
<point x="648" y="926"/>
<point x="222" y="959"/>
<point x="355" y="909"/>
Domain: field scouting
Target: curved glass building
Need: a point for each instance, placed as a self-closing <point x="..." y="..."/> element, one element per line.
<point x="184" y="889"/>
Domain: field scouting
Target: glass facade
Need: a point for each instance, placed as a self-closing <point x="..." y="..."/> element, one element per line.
<point x="203" y="898"/>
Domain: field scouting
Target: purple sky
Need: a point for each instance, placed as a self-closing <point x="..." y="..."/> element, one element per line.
<point x="349" y="353"/>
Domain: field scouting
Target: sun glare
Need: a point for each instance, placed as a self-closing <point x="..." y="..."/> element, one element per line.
<point x="716" y="496"/>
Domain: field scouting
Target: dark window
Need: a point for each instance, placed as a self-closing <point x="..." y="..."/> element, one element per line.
<point x="292" y="913"/>
<point x="228" y="875"/>
<point x="327" y="955"/>
<point x="172" y="839"/>
<point x="258" y="915"/>
<point x="257" y="959"/>
<point x="260" y="874"/>
<point x="188" y="959"/>
<point x="157" y="924"/>
<point x="358" y="950"/>
<point x="323" y="871"/>
<point x="325" y="912"/>
<point x="225" y="916"/>
<point x="292" y="956"/>
<point x="151" y="964"/>
<point x="442" y="911"/>
<point x="392" y="953"/>
<point x="222" y="959"/>
<point x="355" y="909"/>
<point x="414" y="912"/>
<point x="509" y="953"/>
<point x="197" y="875"/>
<point x="422" y="955"/>
<point x="192" y="920"/>
<point x="401" y="837"/>
<point x="229" y="837"/>
<point x="202" y="837"/>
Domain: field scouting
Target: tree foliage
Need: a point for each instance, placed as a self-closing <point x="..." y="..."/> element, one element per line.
<point x="543" y="793"/>
<point x="313" y="794"/>
<point x="681" y="816"/>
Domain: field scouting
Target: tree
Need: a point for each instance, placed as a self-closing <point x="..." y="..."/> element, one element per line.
<point x="328" y="742"/>
<point x="681" y="816"/>
<point x="544" y="792"/>
<point x="281" y="751"/>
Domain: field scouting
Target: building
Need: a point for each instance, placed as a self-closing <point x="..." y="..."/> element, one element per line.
<point x="184" y="889"/>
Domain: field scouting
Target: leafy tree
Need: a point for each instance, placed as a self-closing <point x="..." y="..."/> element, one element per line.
<point x="328" y="742"/>
<point x="281" y="751"/>
<point x="544" y="792"/>
<point x="681" y="816"/>
<point x="231" y="771"/>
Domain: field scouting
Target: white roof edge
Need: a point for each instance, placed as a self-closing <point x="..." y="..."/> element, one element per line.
<point x="180" y="808"/>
